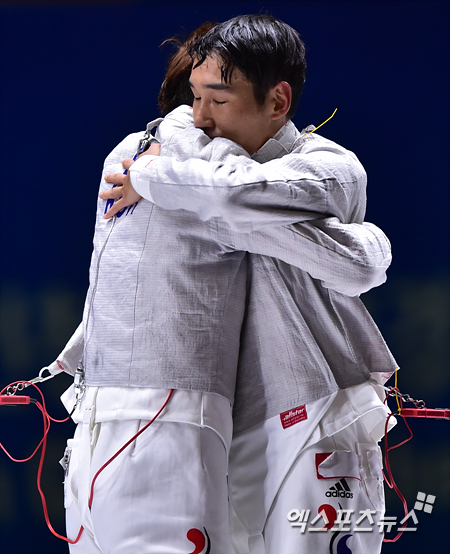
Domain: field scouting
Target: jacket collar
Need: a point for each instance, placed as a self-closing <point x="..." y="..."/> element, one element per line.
<point x="282" y="143"/>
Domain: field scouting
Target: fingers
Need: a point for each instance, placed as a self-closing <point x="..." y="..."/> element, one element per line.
<point x="113" y="193"/>
<point x="115" y="178"/>
<point x="116" y="207"/>
<point x="123" y="192"/>
<point x="127" y="163"/>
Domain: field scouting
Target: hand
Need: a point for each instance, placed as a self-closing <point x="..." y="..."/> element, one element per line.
<point x="124" y="191"/>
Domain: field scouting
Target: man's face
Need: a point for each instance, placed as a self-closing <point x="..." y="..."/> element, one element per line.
<point x="230" y="110"/>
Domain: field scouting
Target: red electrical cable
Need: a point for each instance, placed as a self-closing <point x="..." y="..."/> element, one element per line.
<point x="392" y="484"/>
<point x="46" y="418"/>
<point x="12" y="399"/>
<point x="23" y="400"/>
<point x="38" y="480"/>
<point x="124" y="446"/>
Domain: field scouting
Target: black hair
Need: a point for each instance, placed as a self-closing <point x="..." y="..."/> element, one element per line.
<point x="265" y="49"/>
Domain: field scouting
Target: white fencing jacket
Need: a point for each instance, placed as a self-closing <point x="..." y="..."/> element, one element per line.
<point x="170" y="279"/>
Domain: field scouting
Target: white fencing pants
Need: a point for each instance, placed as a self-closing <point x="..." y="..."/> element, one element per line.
<point x="165" y="494"/>
<point x="281" y="505"/>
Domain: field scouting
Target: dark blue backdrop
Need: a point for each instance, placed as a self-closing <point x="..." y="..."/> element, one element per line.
<point x="76" y="77"/>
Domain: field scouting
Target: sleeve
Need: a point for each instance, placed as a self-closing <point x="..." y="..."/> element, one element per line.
<point x="348" y="258"/>
<point x="317" y="178"/>
<point x="174" y="122"/>
<point x="69" y="358"/>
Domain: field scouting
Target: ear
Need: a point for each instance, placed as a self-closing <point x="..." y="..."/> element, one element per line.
<point x="281" y="94"/>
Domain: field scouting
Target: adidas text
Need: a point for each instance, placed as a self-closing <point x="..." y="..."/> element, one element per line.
<point x="339" y="494"/>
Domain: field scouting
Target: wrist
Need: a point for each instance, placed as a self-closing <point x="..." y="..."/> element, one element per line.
<point x="140" y="183"/>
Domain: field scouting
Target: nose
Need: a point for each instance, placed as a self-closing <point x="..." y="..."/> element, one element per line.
<point x="202" y="115"/>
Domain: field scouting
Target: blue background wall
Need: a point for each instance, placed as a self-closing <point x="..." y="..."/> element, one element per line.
<point x="76" y="77"/>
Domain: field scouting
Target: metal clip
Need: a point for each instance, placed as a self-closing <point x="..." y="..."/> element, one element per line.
<point x="41" y="378"/>
<point x="144" y="144"/>
<point x="65" y="460"/>
<point x="79" y="383"/>
<point x="18" y="387"/>
<point x="407" y="398"/>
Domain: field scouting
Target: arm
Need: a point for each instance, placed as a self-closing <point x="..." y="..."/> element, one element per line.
<point x="318" y="177"/>
<point x="348" y="258"/>
<point x="248" y="195"/>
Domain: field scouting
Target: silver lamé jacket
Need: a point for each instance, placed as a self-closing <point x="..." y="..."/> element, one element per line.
<point x="171" y="283"/>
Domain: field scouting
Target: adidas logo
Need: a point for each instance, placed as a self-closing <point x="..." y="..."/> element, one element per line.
<point x="340" y="490"/>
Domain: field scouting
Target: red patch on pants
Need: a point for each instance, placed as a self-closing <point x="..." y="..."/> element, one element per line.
<point x="200" y="540"/>
<point x="291" y="417"/>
